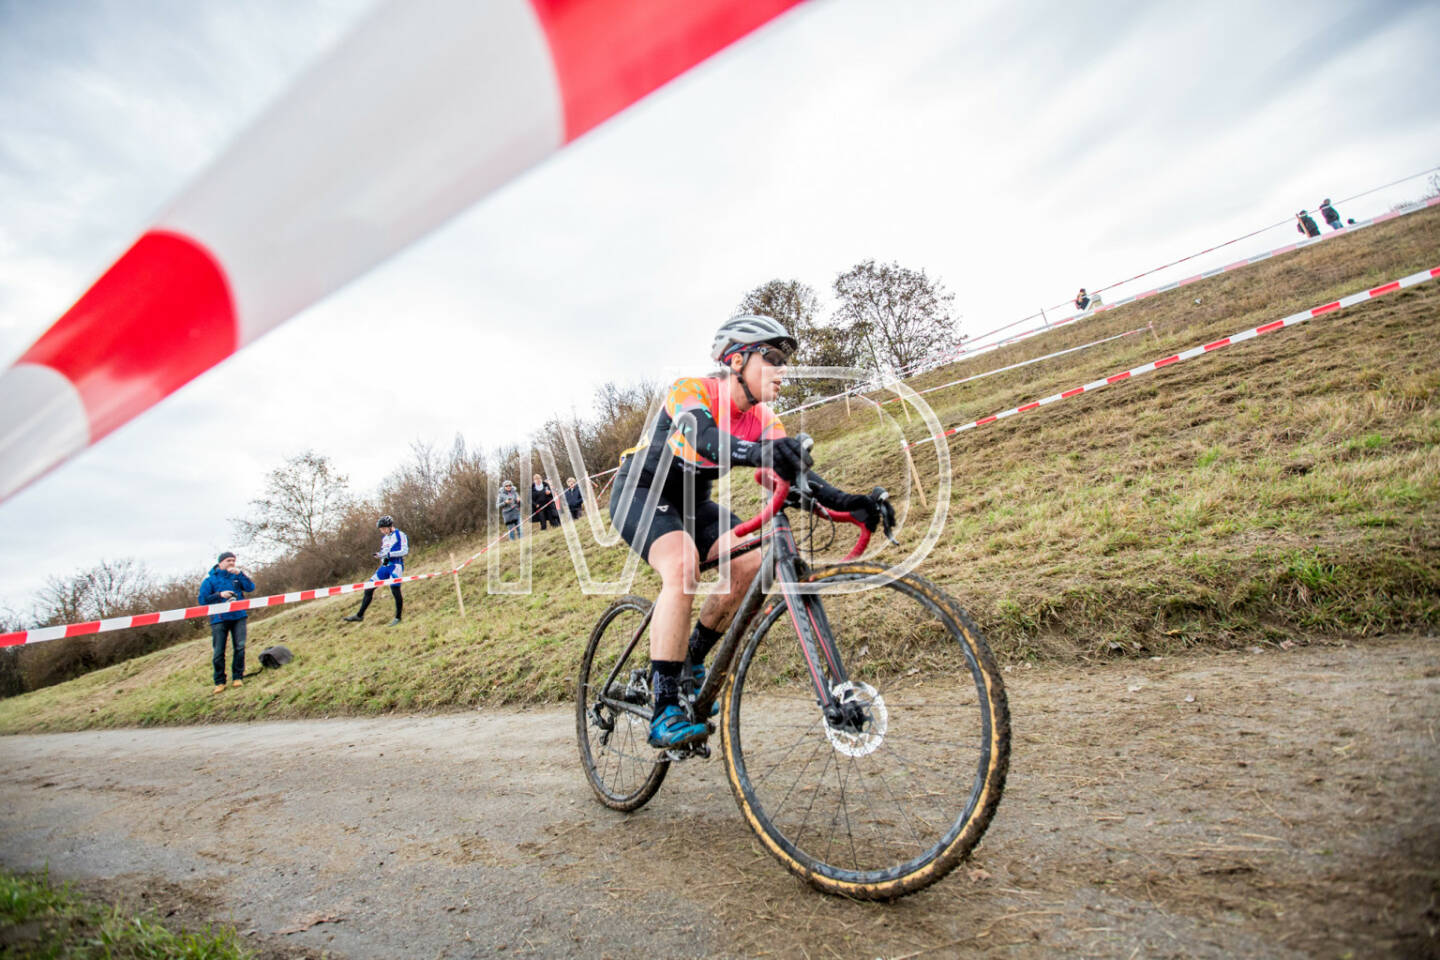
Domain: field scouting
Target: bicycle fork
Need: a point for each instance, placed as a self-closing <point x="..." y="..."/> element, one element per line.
<point x="817" y="640"/>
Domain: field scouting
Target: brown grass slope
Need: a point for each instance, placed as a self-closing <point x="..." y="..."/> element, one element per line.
<point x="1280" y="489"/>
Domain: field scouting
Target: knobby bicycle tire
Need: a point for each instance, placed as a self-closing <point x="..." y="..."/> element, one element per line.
<point x="816" y="858"/>
<point x="622" y="768"/>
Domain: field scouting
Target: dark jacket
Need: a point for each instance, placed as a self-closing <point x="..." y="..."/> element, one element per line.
<point x="574" y="497"/>
<point x="219" y="581"/>
<point x="1307" y="226"/>
<point x="543" y="497"/>
<point x="1331" y="215"/>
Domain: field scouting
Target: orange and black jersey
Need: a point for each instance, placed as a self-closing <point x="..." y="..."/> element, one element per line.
<point x="690" y="426"/>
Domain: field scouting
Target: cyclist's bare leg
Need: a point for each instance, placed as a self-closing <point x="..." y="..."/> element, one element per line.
<point x="718" y="608"/>
<point x="674" y="557"/>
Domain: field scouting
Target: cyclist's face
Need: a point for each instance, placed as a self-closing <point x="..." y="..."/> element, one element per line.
<point x="766" y="372"/>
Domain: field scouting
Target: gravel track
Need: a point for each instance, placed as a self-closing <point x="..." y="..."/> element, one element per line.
<point x="1265" y="804"/>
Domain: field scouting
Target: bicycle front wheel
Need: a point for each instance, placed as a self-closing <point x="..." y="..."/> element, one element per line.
<point x="612" y="709"/>
<point x="890" y="797"/>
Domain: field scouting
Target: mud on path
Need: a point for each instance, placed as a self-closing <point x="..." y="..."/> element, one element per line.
<point x="1265" y="804"/>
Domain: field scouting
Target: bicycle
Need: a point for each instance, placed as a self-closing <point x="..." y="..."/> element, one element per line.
<point x="881" y="754"/>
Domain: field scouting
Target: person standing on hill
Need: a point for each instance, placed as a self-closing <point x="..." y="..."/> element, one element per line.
<point x="1331" y="215"/>
<point x="508" y="503"/>
<point x="542" y="502"/>
<point x="224" y="583"/>
<point x="1082" y="300"/>
<point x="574" y="499"/>
<point x="394" y="545"/>
<point x="1306" y="225"/>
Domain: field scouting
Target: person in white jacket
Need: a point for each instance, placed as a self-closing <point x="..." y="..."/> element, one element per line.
<point x="394" y="545"/>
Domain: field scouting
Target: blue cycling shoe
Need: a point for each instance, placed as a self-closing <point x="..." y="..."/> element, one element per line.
<point x="697" y="677"/>
<point x="671" y="728"/>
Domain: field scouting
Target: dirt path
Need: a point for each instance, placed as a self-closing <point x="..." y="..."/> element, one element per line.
<point x="1276" y="804"/>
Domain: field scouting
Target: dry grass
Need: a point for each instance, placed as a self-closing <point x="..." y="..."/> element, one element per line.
<point x="1284" y="488"/>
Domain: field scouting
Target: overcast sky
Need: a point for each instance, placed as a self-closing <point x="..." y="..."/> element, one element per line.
<point x="1013" y="150"/>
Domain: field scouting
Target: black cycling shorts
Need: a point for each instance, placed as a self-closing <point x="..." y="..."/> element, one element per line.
<point x="709" y="523"/>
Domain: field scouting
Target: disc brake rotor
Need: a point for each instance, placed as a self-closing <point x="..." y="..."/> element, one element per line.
<point x="867" y="738"/>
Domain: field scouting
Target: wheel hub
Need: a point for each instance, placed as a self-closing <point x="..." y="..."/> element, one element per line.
<point x="855" y="725"/>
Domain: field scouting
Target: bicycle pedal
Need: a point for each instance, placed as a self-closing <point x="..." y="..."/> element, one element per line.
<point x="678" y="754"/>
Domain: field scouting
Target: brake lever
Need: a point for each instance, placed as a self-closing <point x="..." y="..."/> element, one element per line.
<point x="802" y="482"/>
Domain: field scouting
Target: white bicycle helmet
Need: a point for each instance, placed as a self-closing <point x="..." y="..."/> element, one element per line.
<point x="747" y="330"/>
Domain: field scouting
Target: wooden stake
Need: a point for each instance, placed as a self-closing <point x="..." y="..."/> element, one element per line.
<point x="906" y="407"/>
<point x="456" y="574"/>
<point x="847" y="404"/>
<point x="914" y="475"/>
<point x="1151" y="325"/>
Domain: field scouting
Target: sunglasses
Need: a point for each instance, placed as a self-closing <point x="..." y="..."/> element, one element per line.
<point x="774" y="356"/>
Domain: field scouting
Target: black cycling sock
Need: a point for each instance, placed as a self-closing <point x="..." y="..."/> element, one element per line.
<point x="399" y="600"/>
<point x="369" y="595"/>
<point x="702" y="641"/>
<point x="665" y="680"/>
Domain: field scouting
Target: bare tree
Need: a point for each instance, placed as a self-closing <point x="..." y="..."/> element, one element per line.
<point x="107" y="589"/>
<point x="304" y="499"/>
<point x="791" y="302"/>
<point x="894" y="315"/>
<point x="414" y="491"/>
<point x="821" y="345"/>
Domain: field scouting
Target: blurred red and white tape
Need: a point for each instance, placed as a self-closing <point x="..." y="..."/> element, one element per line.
<point x="427" y="106"/>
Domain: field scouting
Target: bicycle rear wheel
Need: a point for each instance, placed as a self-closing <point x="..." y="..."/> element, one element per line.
<point x="612" y="724"/>
<point x="892" y="797"/>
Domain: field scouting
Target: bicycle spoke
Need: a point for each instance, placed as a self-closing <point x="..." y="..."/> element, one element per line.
<point x="621" y="766"/>
<point x="881" y="789"/>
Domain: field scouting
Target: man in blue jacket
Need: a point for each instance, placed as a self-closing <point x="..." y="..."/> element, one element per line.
<point x="226" y="582"/>
<point x="394" y="545"/>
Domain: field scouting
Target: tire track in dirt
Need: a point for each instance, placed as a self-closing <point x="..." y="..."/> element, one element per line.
<point x="1268" y="804"/>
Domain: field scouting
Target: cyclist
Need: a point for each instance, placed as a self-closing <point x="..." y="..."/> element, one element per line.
<point x="394" y="546"/>
<point x="753" y="351"/>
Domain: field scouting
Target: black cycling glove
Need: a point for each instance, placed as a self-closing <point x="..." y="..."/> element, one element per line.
<point x="784" y="454"/>
<point x="876" y="510"/>
<point x="870" y="509"/>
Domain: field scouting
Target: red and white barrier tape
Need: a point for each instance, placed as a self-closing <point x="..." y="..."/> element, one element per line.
<point x="186" y="613"/>
<point x="423" y="109"/>
<point x="231" y="606"/>
<point x="1022" y="363"/>
<point x="953" y="357"/>
<point x="1290" y="321"/>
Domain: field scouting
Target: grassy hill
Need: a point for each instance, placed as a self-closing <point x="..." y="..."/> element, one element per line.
<point x="1283" y="489"/>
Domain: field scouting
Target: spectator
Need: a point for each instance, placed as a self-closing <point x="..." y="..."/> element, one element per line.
<point x="1082" y="300"/>
<point x="1331" y="215"/>
<point x="574" y="498"/>
<point x="508" y="503"/>
<point x="1306" y="225"/>
<point x="226" y="582"/>
<point x="394" y="545"/>
<point x="542" y="502"/>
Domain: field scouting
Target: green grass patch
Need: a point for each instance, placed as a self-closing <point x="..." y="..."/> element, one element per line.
<point x="39" y="921"/>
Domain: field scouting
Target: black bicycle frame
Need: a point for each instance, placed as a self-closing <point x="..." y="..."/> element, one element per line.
<point x="817" y="640"/>
<point x="806" y="614"/>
